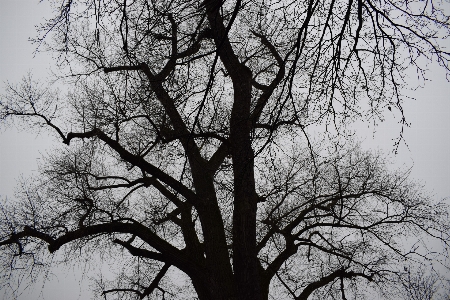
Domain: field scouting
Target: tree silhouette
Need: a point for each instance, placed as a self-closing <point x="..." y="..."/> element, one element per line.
<point x="188" y="130"/>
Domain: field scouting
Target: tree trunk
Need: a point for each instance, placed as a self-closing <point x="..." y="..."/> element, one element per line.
<point x="245" y="261"/>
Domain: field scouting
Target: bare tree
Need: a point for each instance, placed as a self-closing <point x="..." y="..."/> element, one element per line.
<point x="187" y="131"/>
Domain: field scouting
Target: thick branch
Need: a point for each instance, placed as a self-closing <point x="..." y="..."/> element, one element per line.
<point x="218" y="157"/>
<point x="341" y="273"/>
<point x="223" y="45"/>
<point x="170" y="65"/>
<point x="137" y="161"/>
<point x="155" y="281"/>
<point x="168" y="252"/>
<point x="267" y="90"/>
<point x="122" y="68"/>
<point x="146" y="181"/>
<point x="275" y="265"/>
<point x="141" y="252"/>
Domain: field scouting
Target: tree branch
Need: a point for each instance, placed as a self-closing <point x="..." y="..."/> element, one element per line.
<point x="141" y="252"/>
<point x="155" y="281"/>
<point x="329" y="278"/>
<point x="137" y="161"/>
<point x="168" y="252"/>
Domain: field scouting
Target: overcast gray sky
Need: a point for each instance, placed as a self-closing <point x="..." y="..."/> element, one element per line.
<point x="428" y="137"/>
<point x="20" y="150"/>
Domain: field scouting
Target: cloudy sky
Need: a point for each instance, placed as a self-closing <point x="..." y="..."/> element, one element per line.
<point x="428" y="138"/>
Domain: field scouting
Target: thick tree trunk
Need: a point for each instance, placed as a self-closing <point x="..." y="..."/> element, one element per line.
<point x="204" y="292"/>
<point x="220" y="279"/>
<point x="245" y="261"/>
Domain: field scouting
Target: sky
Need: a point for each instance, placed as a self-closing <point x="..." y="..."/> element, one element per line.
<point x="427" y="148"/>
<point x="20" y="150"/>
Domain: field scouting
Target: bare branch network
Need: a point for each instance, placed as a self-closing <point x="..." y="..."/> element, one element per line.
<point x="212" y="138"/>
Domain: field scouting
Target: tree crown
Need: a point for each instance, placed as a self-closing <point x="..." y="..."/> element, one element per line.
<point x="188" y="144"/>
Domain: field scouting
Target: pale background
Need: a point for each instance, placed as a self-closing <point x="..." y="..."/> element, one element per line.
<point x="427" y="150"/>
